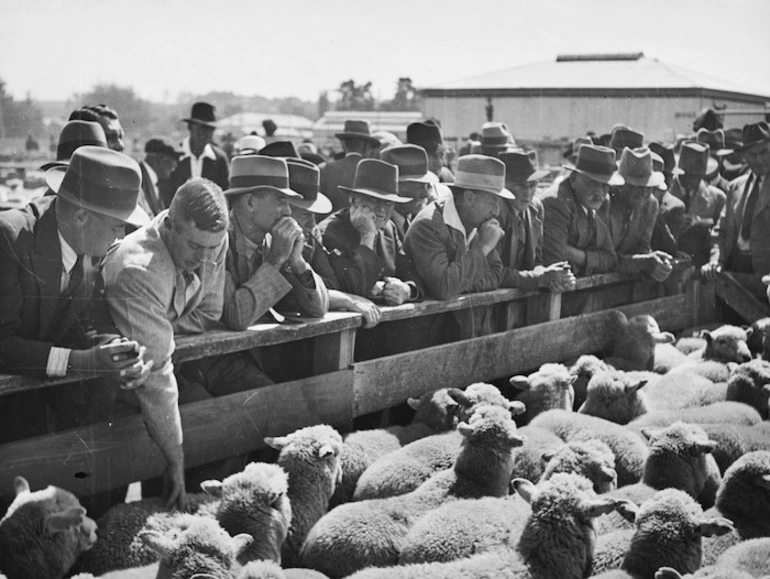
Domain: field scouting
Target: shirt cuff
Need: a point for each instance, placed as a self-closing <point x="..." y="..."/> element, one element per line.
<point x="58" y="359"/>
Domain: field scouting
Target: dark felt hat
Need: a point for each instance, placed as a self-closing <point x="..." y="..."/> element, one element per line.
<point x="623" y="137"/>
<point x="203" y="114"/>
<point x="597" y="163"/>
<point x="693" y="158"/>
<point x="666" y="153"/>
<point x="285" y="149"/>
<point x="357" y="129"/>
<point x="103" y="181"/>
<point x="754" y="134"/>
<point x="520" y="167"/>
<point x="163" y="146"/>
<point x="715" y="140"/>
<point x="304" y="178"/>
<point x="73" y="135"/>
<point x="377" y="179"/>
<point x="425" y="135"/>
<point x="412" y="163"/>
<point x="252" y="172"/>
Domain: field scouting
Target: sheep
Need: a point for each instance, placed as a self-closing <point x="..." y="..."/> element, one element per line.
<point x="757" y="342"/>
<point x="668" y="357"/>
<point x="615" y="397"/>
<point x="725" y="344"/>
<point x="689" y="344"/>
<point x="271" y="570"/>
<point x="748" y="559"/>
<point x="310" y="457"/>
<point x="591" y="459"/>
<point x="528" y="460"/>
<point x="733" y="441"/>
<point x="683" y="389"/>
<point x="583" y="370"/>
<point x="713" y="370"/>
<point x="550" y="387"/>
<point x="668" y="531"/>
<point x="629" y="449"/>
<point x="750" y="383"/>
<point x="371" y="532"/>
<point x="43" y="532"/>
<point x="634" y="342"/>
<point x="556" y="540"/>
<point x="716" y="413"/>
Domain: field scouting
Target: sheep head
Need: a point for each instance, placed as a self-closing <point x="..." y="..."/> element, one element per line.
<point x="744" y="495"/>
<point x="592" y="459"/>
<point x="437" y="409"/>
<point x="482" y="393"/>
<point x="548" y="388"/>
<point x="635" y="339"/>
<point x="727" y="344"/>
<point x="615" y="397"/>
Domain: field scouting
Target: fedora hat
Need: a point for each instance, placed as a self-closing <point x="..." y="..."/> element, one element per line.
<point x="73" y="135"/>
<point x="163" y="146"/>
<point x="357" y="129"/>
<point x="635" y="167"/>
<point x="304" y="178"/>
<point x="412" y="163"/>
<point x="250" y="143"/>
<point x="597" y="163"/>
<point x="623" y="137"/>
<point x="386" y="139"/>
<point x="103" y="181"/>
<point x="693" y="159"/>
<point x="202" y="114"/>
<point x="378" y="179"/>
<point x="285" y="149"/>
<point x="572" y="148"/>
<point x="495" y="139"/>
<point x="715" y="140"/>
<point x="252" y="172"/>
<point x="425" y="135"/>
<point x="521" y="167"/>
<point x="666" y="153"/>
<point x="481" y="173"/>
<point x="754" y="134"/>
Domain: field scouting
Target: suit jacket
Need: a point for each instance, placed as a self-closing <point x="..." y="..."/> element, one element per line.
<point x="336" y="173"/>
<point x="668" y="225"/>
<point x="729" y="226"/>
<point x="635" y="236"/>
<point x="707" y="203"/>
<point x="31" y="319"/>
<point x="149" y="196"/>
<point x="566" y="224"/>
<point x="521" y="273"/>
<point x="215" y="170"/>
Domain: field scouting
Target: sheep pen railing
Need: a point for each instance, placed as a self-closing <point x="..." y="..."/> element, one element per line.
<point x="530" y="330"/>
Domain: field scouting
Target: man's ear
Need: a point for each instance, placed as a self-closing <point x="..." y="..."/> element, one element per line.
<point x="80" y="216"/>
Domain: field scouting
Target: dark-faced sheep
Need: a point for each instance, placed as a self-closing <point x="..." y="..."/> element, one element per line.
<point x="634" y="341"/>
<point x="748" y="559"/>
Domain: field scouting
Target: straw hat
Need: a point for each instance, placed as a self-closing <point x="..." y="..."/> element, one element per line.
<point x="481" y="173"/>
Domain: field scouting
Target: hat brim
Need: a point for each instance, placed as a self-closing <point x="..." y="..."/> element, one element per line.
<point x="712" y="166"/>
<point x="614" y="179"/>
<point x="385" y="196"/>
<point x="373" y="140"/>
<point x="504" y="193"/>
<point x="538" y="175"/>
<point x="429" y="178"/>
<point x="200" y="122"/>
<point x="54" y="177"/>
<point x="655" y="180"/>
<point x="238" y="190"/>
<point x="321" y="205"/>
<point x="750" y="144"/>
<point x="53" y="164"/>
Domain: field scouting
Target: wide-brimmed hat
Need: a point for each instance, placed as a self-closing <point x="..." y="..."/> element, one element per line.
<point x="163" y="146"/>
<point x="693" y="159"/>
<point x="597" y="163"/>
<point x="520" y="167"/>
<point x="425" y="135"/>
<point x="103" y="181"/>
<point x="357" y="129"/>
<point x="386" y="139"/>
<point x="378" y="179"/>
<point x="250" y="144"/>
<point x="412" y="163"/>
<point x="754" y="134"/>
<point x="481" y="173"/>
<point x="496" y="139"/>
<point x="715" y="140"/>
<point x="252" y="172"/>
<point x="666" y="153"/>
<point x="304" y="178"/>
<point x="285" y="149"/>
<point x="73" y="135"/>
<point x="635" y="167"/>
<point x="202" y="114"/>
<point x="623" y="137"/>
<point x="572" y="148"/>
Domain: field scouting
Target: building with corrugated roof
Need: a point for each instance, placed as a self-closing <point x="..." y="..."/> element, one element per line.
<point x="566" y="97"/>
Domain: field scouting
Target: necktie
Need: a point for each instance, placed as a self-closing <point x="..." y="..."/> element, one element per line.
<point x="76" y="277"/>
<point x="748" y="212"/>
<point x="192" y="287"/>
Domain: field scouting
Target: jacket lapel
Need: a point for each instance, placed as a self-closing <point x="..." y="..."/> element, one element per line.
<point x="764" y="197"/>
<point x="535" y="226"/>
<point x="47" y="266"/>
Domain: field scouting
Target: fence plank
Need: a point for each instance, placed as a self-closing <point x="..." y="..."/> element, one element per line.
<point x="739" y="293"/>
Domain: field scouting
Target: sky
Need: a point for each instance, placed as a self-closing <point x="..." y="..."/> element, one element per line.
<point x="277" y="48"/>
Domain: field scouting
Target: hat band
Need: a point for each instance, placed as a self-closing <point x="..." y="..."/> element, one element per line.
<point x="248" y="181"/>
<point x="309" y="191"/>
<point x="501" y="140"/>
<point x="598" y="167"/>
<point x="479" y="181"/>
<point x="96" y="196"/>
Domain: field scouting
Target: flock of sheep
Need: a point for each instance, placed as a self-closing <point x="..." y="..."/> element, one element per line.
<point x="651" y="463"/>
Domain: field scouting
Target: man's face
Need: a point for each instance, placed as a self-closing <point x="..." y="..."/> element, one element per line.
<point x="481" y="206"/>
<point x="200" y="135"/>
<point x="419" y="192"/>
<point x="305" y="218"/>
<point x="166" y="166"/>
<point x="690" y="181"/>
<point x="436" y="159"/>
<point x="190" y="246"/>
<point x="115" y="134"/>
<point x="99" y="232"/>
<point x="382" y="209"/>
<point x="758" y="158"/>
<point x="524" y="192"/>
<point x="267" y="207"/>
<point x="590" y="193"/>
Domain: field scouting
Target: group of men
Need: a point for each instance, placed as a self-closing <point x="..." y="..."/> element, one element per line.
<point x="270" y="235"/>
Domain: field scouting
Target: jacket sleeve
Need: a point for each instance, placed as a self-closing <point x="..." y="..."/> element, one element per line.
<point x="357" y="267"/>
<point x="627" y="263"/>
<point x="555" y="230"/>
<point x="520" y="279"/>
<point x="720" y="230"/>
<point x="601" y="260"/>
<point x="311" y="299"/>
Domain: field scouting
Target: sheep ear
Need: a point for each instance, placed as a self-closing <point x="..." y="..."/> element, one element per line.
<point x="414" y="403"/>
<point x="648" y="432"/>
<point x="667" y="573"/>
<point x="526" y="489"/>
<point x="766" y="388"/>
<point x="277" y="442"/>
<point x="763" y="481"/>
<point x="715" y="527"/>
<point x="517" y="407"/>
<point x="20" y="485"/>
<point x="65" y="520"/>
<point x="626" y="509"/>
<point x="212" y="488"/>
<point x="517" y="439"/>
<point x="325" y="450"/>
<point x="157" y="543"/>
<point x="465" y="429"/>
<point x="608" y="474"/>
<point x="749" y="331"/>
<point x="704" y="447"/>
<point x="572" y="379"/>
<point x="547" y="455"/>
<point x="665" y="338"/>
<point x="631" y="388"/>
<point x="599" y="506"/>
<point x="706" y="335"/>
<point x="731" y="366"/>
<point x="519" y="382"/>
<point x="241" y="542"/>
<point x="460" y="397"/>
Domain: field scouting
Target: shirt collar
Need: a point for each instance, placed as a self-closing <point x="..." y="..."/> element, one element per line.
<point x="452" y="219"/>
<point x="207" y="150"/>
<point x="68" y="255"/>
<point x="243" y="245"/>
<point x="151" y="172"/>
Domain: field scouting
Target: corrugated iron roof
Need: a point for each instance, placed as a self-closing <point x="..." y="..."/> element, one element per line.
<point x="597" y="72"/>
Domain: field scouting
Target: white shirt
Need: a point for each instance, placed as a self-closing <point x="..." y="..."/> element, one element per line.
<point x="452" y="219"/>
<point x="196" y="163"/>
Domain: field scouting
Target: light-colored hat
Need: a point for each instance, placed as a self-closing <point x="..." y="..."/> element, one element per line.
<point x="636" y="168"/>
<point x="495" y="139"/>
<point x="481" y="173"/>
<point x="103" y="181"/>
<point x="253" y="172"/>
<point x="250" y="143"/>
<point x="597" y="163"/>
<point x="693" y="159"/>
<point x="377" y="179"/>
<point x="304" y="178"/>
<point x="412" y="163"/>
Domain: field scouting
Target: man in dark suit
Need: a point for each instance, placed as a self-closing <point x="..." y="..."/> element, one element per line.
<point x="161" y="159"/>
<point x="670" y="221"/>
<point x="202" y="158"/>
<point x="358" y="143"/>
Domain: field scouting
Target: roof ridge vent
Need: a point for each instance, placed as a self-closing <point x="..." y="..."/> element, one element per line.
<point x="595" y="57"/>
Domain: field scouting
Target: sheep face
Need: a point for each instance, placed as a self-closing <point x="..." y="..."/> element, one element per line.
<point x="547" y="389"/>
<point x="727" y="344"/>
<point x="43" y="532"/>
<point x="592" y="459"/>
<point x="491" y="426"/>
<point x="614" y="397"/>
<point x="635" y="341"/>
<point x="744" y="495"/>
<point x="750" y="384"/>
<point x="436" y="409"/>
<point x="583" y="370"/>
<point x="481" y="393"/>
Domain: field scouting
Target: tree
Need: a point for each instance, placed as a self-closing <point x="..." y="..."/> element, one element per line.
<point x="19" y="118"/>
<point x="323" y="103"/>
<point x="355" y="97"/>
<point x="134" y="112"/>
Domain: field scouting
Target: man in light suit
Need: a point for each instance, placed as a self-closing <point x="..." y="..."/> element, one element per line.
<point x="161" y="159"/>
<point x="742" y="242"/>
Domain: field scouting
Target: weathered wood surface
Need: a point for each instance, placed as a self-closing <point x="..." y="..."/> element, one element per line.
<point x="740" y="292"/>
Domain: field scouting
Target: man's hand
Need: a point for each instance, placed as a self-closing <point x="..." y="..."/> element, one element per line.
<point x="659" y="265"/>
<point x="689" y="220"/>
<point x="557" y="275"/>
<point x="296" y="259"/>
<point x="710" y="271"/>
<point x="106" y="360"/>
<point x="490" y="234"/>
<point x="174" y="488"/>
<point x="137" y="374"/>
<point x="395" y="292"/>
<point x="364" y="221"/>
<point x="284" y="233"/>
<point x="367" y="308"/>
